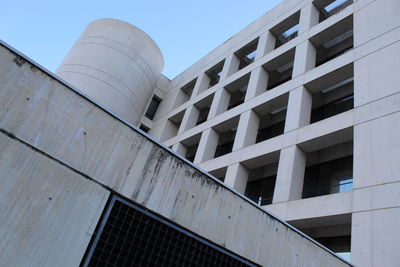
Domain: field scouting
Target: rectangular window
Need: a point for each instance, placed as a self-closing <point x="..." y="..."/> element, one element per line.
<point x="334" y="41"/>
<point x="153" y="106"/>
<point x="328" y="8"/>
<point x="237" y="91"/>
<point x="214" y="74"/>
<point x="329" y="177"/>
<point x="247" y="54"/>
<point x="280" y="69"/>
<point x="286" y="30"/>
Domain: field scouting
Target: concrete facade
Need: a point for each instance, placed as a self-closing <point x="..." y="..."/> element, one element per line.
<point x="265" y="120"/>
<point x="62" y="155"/>
<point x="297" y="115"/>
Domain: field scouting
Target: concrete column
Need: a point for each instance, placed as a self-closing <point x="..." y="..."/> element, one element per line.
<point x="231" y="66"/>
<point x="207" y="145"/>
<point x="157" y="130"/>
<point x="179" y="148"/>
<point x="257" y="83"/>
<point x="304" y="59"/>
<point x="290" y="177"/>
<point x="266" y="43"/>
<point x="220" y="103"/>
<point x="202" y="83"/>
<point x="236" y="177"/>
<point x="309" y="17"/>
<point x="299" y="108"/>
<point x="189" y="119"/>
<point x="179" y="98"/>
<point x="246" y="133"/>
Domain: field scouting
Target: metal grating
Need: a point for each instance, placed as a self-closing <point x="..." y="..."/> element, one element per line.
<point x="131" y="236"/>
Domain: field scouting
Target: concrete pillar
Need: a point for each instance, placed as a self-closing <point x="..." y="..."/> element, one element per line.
<point x="304" y="59"/>
<point x="309" y="16"/>
<point x="231" y="66"/>
<point x="189" y="119"/>
<point x="180" y="149"/>
<point x="236" y="177"/>
<point x="299" y="108"/>
<point x="257" y="84"/>
<point x="157" y="130"/>
<point x="246" y="133"/>
<point x="266" y="43"/>
<point x="179" y="98"/>
<point x="220" y="103"/>
<point x="202" y="84"/>
<point x="290" y="177"/>
<point x="207" y="145"/>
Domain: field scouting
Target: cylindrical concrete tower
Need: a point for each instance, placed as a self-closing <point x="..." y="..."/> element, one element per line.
<point x="115" y="63"/>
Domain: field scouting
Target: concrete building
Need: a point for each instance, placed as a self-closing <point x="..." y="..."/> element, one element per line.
<point x="298" y="115"/>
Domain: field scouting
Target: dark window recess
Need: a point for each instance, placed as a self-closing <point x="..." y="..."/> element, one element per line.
<point x="225" y="143"/>
<point x="333" y="108"/>
<point x="286" y="36"/>
<point x="191" y="152"/>
<point x="144" y="128"/>
<point x="280" y="75"/>
<point x="337" y="244"/>
<point x="215" y="73"/>
<point x="247" y="54"/>
<point x="188" y="89"/>
<point x="203" y="114"/>
<point x="333" y="7"/>
<point x="279" y="69"/>
<point x="237" y="97"/>
<point x="152" y="109"/>
<point x="270" y="131"/>
<point x="334" y="49"/>
<point x="329" y="177"/>
<point x="131" y="236"/>
<point x="286" y="30"/>
<point x="334" y="41"/>
<point x="261" y="191"/>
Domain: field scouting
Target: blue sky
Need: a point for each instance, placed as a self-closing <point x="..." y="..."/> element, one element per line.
<point x="185" y="31"/>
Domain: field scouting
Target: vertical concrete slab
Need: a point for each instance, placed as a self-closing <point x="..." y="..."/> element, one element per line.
<point x="309" y="17"/>
<point x="299" y="109"/>
<point x="220" y="103"/>
<point x="290" y="177"/>
<point x="202" y="84"/>
<point x="266" y="44"/>
<point x="246" y="133"/>
<point x="48" y="212"/>
<point x="304" y="59"/>
<point x="231" y="66"/>
<point x="207" y="145"/>
<point x="376" y="75"/>
<point x="257" y="83"/>
<point x="236" y="177"/>
<point x="384" y="15"/>
<point x="375" y="238"/>
<point x="377" y="150"/>
<point x="189" y="119"/>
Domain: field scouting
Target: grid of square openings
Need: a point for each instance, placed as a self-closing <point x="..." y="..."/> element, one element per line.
<point x="131" y="236"/>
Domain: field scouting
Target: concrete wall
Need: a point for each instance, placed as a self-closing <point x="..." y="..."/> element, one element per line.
<point x="115" y="63"/>
<point x="75" y="150"/>
<point x="371" y="208"/>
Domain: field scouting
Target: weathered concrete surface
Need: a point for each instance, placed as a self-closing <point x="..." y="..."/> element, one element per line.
<point x="47" y="212"/>
<point x="43" y="112"/>
<point x="115" y="63"/>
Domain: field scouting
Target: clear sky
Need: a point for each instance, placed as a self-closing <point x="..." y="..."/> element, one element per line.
<point x="185" y="30"/>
